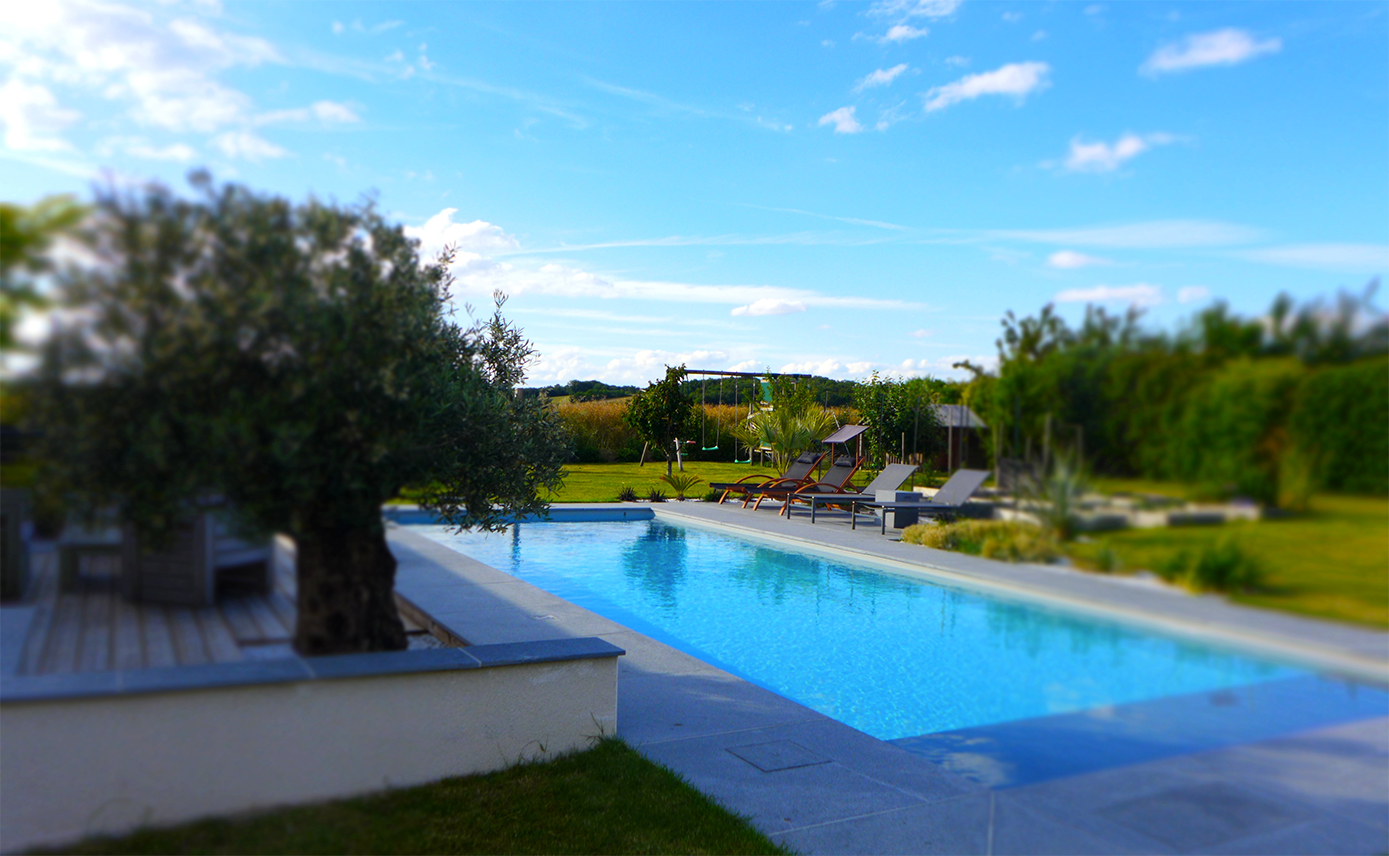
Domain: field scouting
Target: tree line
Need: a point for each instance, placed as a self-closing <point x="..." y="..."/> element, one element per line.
<point x="1272" y="408"/>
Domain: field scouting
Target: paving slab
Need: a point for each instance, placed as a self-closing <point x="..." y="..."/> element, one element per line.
<point x="958" y="826"/>
<point x="653" y="708"/>
<point x="780" y="800"/>
<point x="1022" y="829"/>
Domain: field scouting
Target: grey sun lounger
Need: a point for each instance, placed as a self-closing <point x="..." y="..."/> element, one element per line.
<point x="889" y="479"/>
<point x="951" y="497"/>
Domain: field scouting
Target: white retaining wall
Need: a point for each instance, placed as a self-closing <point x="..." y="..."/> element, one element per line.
<point x="107" y="763"/>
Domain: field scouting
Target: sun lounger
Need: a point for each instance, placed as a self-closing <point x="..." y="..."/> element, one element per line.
<point x="951" y="497"/>
<point x="889" y="479"/>
<point x="835" y="480"/>
<point x="800" y="472"/>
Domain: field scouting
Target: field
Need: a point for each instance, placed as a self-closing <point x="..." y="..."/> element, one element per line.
<point x="601" y="482"/>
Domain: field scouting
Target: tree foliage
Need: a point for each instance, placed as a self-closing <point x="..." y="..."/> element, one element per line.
<point x="663" y="414"/>
<point x="1216" y="403"/>
<point x="26" y="235"/>
<point x="899" y="414"/>
<point x="296" y="363"/>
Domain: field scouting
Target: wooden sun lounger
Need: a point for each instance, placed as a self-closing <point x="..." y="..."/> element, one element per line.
<point x="800" y="472"/>
<point x="835" y="480"/>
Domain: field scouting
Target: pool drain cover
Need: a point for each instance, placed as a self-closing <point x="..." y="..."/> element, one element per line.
<point x="777" y="755"/>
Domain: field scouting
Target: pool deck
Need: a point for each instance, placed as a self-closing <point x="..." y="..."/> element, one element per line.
<point x="820" y="786"/>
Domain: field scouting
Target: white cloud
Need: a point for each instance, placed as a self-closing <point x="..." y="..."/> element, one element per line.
<point x="479" y="273"/>
<point x="165" y="72"/>
<point x="474" y="243"/>
<point x="1155" y="234"/>
<point x="175" y="152"/>
<point x="33" y="118"/>
<point x="1107" y="157"/>
<point x="957" y="61"/>
<point x="643" y="366"/>
<point x="1347" y="258"/>
<point x="881" y="77"/>
<point x="899" y="33"/>
<point x="1222" y="47"/>
<point x="161" y="67"/>
<point x="843" y="121"/>
<point x="338" y="28"/>
<point x="245" y="145"/>
<point x="1193" y="294"/>
<point x="1012" y="17"/>
<point x="1140" y="294"/>
<point x="921" y="334"/>
<point x="824" y="368"/>
<point x="1070" y="260"/>
<point x="770" y="306"/>
<point x="1016" y="79"/>
<point x="904" y="9"/>
<point x="323" y="111"/>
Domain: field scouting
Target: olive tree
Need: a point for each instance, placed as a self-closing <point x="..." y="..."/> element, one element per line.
<point x="297" y="365"/>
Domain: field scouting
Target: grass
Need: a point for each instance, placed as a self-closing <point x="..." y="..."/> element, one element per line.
<point x="601" y="482"/>
<point x="1331" y="562"/>
<point x="606" y="800"/>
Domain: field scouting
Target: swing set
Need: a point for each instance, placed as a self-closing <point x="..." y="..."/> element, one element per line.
<point x="754" y="404"/>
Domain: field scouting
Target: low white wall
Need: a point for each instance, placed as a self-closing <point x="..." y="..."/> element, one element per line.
<point x="109" y="763"/>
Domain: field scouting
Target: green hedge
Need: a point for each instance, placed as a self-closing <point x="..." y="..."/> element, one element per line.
<point x="1231" y="436"/>
<point x="1340" y="414"/>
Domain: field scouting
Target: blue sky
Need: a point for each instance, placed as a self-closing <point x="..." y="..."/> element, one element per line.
<point x="834" y="187"/>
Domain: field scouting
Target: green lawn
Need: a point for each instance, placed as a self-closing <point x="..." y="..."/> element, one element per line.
<point x="606" y="800"/>
<point x="1332" y="562"/>
<point x="601" y="482"/>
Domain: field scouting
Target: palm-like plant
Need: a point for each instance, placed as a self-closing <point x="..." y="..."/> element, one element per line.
<point x="1055" y="497"/>
<point x="786" y="433"/>
<point x="681" y="483"/>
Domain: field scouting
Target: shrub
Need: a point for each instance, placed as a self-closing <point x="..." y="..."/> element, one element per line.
<point x="627" y="494"/>
<point x="1107" y="560"/>
<point x="656" y="495"/>
<point x="713" y="495"/>
<point x="1222" y="566"/>
<point x="992" y="539"/>
<point x="1056" y="496"/>
<point x="681" y="483"/>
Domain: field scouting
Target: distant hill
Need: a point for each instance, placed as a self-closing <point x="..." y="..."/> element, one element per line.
<point x="581" y="390"/>
<point x="828" y="392"/>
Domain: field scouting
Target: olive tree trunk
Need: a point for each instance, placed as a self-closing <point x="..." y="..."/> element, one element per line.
<point x="346" y="601"/>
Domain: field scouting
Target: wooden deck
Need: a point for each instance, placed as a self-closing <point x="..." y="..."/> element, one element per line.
<point x="94" y="629"/>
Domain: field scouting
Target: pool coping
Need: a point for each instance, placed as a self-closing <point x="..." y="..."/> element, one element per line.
<point x="1348" y="651"/>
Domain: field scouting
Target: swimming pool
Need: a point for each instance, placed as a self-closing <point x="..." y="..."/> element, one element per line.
<point x="893" y="655"/>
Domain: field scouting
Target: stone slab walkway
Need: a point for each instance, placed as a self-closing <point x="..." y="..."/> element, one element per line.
<point x="819" y="786"/>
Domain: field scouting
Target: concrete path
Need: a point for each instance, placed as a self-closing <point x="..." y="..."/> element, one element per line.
<point x="819" y="786"/>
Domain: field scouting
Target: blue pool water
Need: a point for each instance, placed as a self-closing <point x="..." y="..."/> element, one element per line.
<point x="895" y="656"/>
